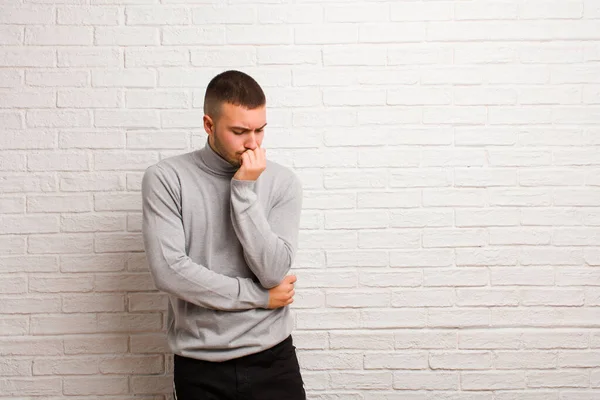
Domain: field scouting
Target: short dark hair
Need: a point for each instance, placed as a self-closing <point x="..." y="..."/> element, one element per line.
<point x="235" y="87"/>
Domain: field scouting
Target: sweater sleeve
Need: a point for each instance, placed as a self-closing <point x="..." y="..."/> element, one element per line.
<point x="171" y="268"/>
<point x="269" y="242"/>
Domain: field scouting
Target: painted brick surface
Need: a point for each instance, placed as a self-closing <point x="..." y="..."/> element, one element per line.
<point x="449" y="151"/>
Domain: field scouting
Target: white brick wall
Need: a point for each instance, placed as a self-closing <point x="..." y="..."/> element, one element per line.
<point x="450" y="244"/>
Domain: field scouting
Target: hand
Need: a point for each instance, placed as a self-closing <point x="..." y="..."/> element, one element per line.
<point x="282" y="294"/>
<point x="253" y="163"/>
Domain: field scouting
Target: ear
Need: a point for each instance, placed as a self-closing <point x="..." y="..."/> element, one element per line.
<point x="209" y="124"/>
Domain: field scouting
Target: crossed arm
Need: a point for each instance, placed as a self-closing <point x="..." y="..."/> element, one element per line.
<point x="173" y="270"/>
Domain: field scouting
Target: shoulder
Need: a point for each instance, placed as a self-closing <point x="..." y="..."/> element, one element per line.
<point x="167" y="171"/>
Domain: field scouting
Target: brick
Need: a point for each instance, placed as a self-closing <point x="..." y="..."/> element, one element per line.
<point x="27" y="57"/>
<point x="420" y="54"/>
<point x="357" y="299"/>
<point x="10" y="78"/>
<point x="223" y="14"/>
<point x="136" y="365"/>
<point x="63" y="324"/>
<point x="361" y="380"/>
<point x="99" y="98"/>
<point x="63" y="243"/>
<point x="95" y="385"/>
<point x="15" y="183"/>
<point x="166" y="15"/>
<point x="52" y="78"/>
<point x="285" y="55"/>
<point x="58" y="36"/>
<point x="516" y="236"/>
<point x="89" y="303"/>
<point x="488" y="297"/>
<point x="361" y="258"/>
<point x="426" y="380"/>
<point x="10" y="245"/>
<point x="126" y="118"/>
<point x="327" y="319"/>
<point x="421" y="12"/>
<point x="95" y="344"/>
<point x="42" y="98"/>
<point x="94" y="140"/>
<point x="486" y="256"/>
<point x="397" y="318"/>
<point x="321" y="361"/>
<point x="446" y="237"/>
<point x="548" y="379"/>
<point x="15" y="367"/>
<point x="148" y="343"/>
<point x="129" y="78"/>
<point x="422" y="298"/>
<point x="455" y="277"/>
<point x="118" y="160"/>
<point x="124" y="282"/>
<point x="391" y="279"/>
<point x="117" y="202"/>
<point x="58" y="118"/>
<point x="399" y="32"/>
<point x="389" y="199"/>
<point x="152" y="384"/>
<point x="549" y="297"/>
<point x="13" y="284"/>
<point x="28" y="263"/>
<point x="27" y="305"/>
<point x="494" y="380"/>
<point x="118" y="242"/>
<point x="422" y="177"/>
<point x="92" y="223"/>
<point x="58" y="204"/>
<point x="86" y="15"/>
<point x="352" y="179"/>
<point x="27" y="346"/>
<point x="421" y="258"/>
<point x="131" y="322"/>
<point x="61" y="283"/>
<point x="93" y="182"/>
<point x="12" y="162"/>
<point x="31" y="386"/>
<point x="90" y="57"/>
<point x="147" y="302"/>
<point x="490" y="10"/>
<point x="11" y="119"/>
<point x="541" y="276"/>
<point x="178" y="36"/>
<point x="20" y="224"/>
<point x="93" y="263"/>
<point x="126" y="36"/>
<point x="24" y="14"/>
<point x="241" y="56"/>
<point x="326" y="34"/>
<point x="158" y="100"/>
<point x="329" y="279"/>
<point x="534" y="360"/>
<point x="65" y="366"/>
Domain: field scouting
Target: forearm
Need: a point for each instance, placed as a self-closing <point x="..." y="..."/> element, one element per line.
<point x="269" y="245"/>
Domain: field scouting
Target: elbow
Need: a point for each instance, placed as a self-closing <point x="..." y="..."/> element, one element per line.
<point x="269" y="282"/>
<point x="276" y="274"/>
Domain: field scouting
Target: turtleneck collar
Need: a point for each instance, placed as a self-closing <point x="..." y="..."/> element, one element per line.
<point x="211" y="161"/>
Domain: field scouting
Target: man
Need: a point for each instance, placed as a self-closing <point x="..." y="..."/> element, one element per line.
<point x="220" y="228"/>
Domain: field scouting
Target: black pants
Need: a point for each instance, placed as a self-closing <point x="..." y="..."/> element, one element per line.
<point x="272" y="374"/>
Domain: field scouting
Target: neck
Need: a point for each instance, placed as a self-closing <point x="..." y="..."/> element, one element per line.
<point x="214" y="162"/>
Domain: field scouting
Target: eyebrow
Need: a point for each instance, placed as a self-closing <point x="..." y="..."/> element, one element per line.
<point x="241" y="128"/>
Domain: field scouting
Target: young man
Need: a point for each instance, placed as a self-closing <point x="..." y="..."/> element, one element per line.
<point x="220" y="228"/>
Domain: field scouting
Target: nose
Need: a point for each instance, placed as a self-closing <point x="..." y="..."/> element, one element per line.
<point x="251" y="142"/>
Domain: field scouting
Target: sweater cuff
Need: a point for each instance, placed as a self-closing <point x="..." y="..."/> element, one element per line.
<point x="253" y="293"/>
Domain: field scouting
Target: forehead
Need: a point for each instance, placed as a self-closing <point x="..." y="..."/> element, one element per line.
<point x="238" y="115"/>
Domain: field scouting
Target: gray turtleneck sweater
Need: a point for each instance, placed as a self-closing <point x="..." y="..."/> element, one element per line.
<point x="216" y="245"/>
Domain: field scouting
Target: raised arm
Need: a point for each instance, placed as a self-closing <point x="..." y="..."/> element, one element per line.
<point x="172" y="269"/>
<point x="269" y="243"/>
